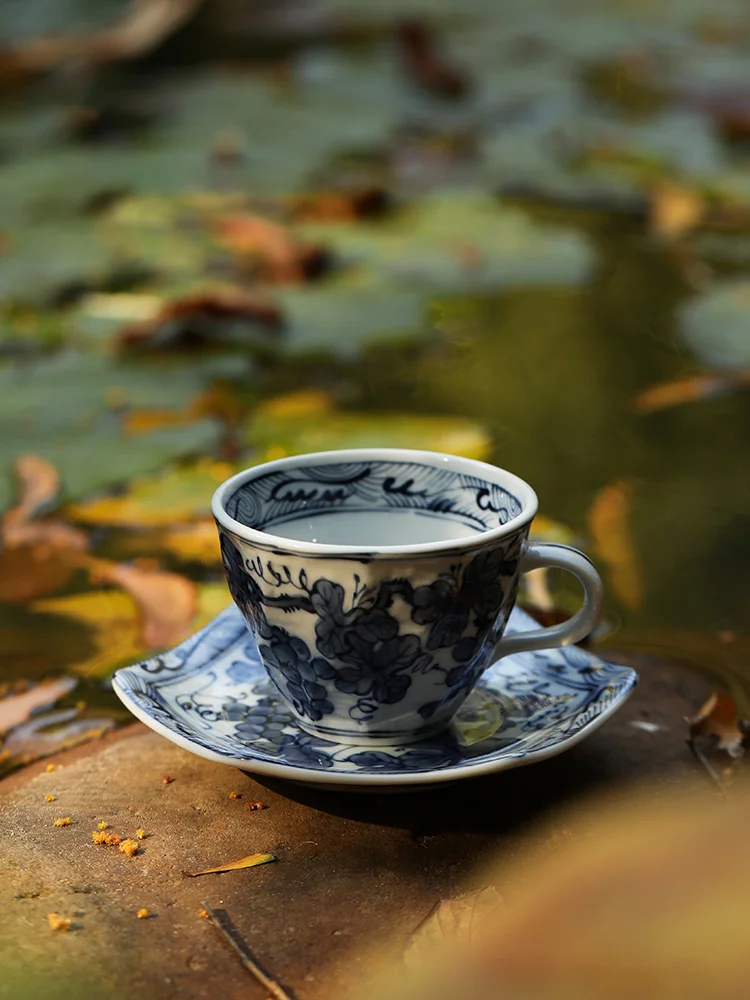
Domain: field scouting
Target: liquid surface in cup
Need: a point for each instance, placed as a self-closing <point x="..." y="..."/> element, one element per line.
<point x="376" y="528"/>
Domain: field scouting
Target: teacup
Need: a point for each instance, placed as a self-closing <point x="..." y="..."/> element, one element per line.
<point x="378" y="583"/>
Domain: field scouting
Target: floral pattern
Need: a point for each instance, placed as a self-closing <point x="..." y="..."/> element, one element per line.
<point x="358" y="645"/>
<point x="211" y="694"/>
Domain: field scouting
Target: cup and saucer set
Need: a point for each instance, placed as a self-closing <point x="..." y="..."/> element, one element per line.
<point x="374" y="643"/>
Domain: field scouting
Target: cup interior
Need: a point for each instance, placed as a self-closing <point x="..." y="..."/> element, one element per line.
<point x="390" y="499"/>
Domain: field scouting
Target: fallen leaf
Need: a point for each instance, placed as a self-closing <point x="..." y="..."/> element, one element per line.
<point x="16" y="708"/>
<point x="197" y="320"/>
<point x="676" y="392"/>
<point x="279" y="255"/>
<point x="58" y="923"/>
<point x="38" y="486"/>
<point x="718" y="719"/>
<point x="675" y="209"/>
<point x="609" y="522"/>
<point x="139" y="31"/>
<point x="452" y="923"/>
<point x="175" y="495"/>
<point x="249" y="862"/>
<point x="167" y="602"/>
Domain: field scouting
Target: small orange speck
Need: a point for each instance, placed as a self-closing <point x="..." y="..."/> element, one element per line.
<point x="58" y="923"/>
<point x="235" y="795"/>
<point x="167" y="779"/>
<point x="99" y="836"/>
<point x="63" y="821"/>
<point x="203" y="914"/>
<point x="50" y="767"/>
<point x="140" y="833"/>
<point x="129" y="847"/>
<point x="252" y="805"/>
<point x="103" y="826"/>
<point x="49" y="798"/>
<point x="143" y="913"/>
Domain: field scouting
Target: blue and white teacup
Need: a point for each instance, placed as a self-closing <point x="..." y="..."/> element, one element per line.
<point x="378" y="583"/>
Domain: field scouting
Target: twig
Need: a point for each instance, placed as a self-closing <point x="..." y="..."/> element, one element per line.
<point x="706" y="764"/>
<point x="222" y="922"/>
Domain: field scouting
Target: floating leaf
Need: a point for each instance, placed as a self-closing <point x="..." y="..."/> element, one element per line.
<point x="609" y="521"/>
<point x="452" y="924"/>
<point x="70" y="411"/>
<point x="167" y="601"/>
<point x="716" y="326"/>
<point x="676" y="392"/>
<point x="16" y="708"/>
<point x="457" y="241"/>
<point x="38" y="486"/>
<point x="113" y="634"/>
<point x="274" y="434"/>
<point x="675" y="209"/>
<point x="180" y="493"/>
<point x="249" y="862"/>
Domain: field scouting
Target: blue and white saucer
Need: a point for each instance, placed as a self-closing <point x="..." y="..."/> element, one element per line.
<point x="211" y="695"/>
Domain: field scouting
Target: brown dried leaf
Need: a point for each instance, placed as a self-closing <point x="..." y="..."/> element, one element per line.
<point x="167" y="602"/>
<point x="718" y="718"/>
<point x="38" y="558"/>
<point x="38" y="485"/>
<point x="249" y="862"/>
<point x="452" y="923"/>
<point x="609" y="522"/>
<point x="185" y="323"/>
<point x="675" y="392"/>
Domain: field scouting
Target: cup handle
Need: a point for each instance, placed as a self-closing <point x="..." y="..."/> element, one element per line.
<point x="583" y="621"/>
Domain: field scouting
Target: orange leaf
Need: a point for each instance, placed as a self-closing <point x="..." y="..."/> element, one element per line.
<point x="167" y="602"/>
<point x="38" y="485"/>
<point x="681" y="390"/>
<point x="718" y="718"/>
<point x="609" y="520"/>
<point x="249" y="862"/>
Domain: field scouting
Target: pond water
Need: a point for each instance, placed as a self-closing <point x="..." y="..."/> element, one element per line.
<point x="473" y="235"/>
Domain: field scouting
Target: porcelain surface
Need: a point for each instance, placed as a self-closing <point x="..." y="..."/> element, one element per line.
<point x="378" y="583"/>
<point x="212" y="696"/>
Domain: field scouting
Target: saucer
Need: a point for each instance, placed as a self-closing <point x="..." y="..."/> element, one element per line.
<point x="211" y="695"/>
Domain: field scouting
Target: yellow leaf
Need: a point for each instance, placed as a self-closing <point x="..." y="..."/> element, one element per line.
<point x="675" y="209"/>
<point x="249" y="862"/>
<point x="609" y="521"/>
<point x="453" y="923"/>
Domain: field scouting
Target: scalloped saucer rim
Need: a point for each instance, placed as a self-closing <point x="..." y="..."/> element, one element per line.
<point x="139" y="688"/>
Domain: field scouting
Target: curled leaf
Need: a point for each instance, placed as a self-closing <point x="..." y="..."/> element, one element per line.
<point x="249" y="862"/>
<point x="167" y="602"/>
<point x="718" y="718"/>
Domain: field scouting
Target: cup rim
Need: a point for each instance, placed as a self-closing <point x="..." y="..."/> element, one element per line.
<point x="519" y="487"/>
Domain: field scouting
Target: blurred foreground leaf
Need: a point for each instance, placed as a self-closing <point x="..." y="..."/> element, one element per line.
<point x="453" y="923"/>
